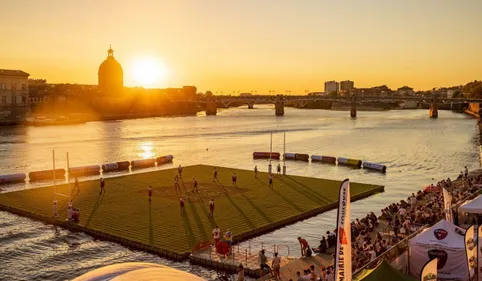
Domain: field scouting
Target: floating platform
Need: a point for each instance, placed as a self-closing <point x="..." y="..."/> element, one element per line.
<point x="124" y="215"/>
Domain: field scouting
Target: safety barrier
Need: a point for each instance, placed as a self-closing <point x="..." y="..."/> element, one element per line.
<point x="12" y="178"/>
<point x="116" y="166"/>
<point x="266" y="155"/>
<point x="374" y="166"/>
<point x="46" y="175"/>
<point x="349" y="162"/>
<point x="297" y="156"/>
<point x="144" y="163"/>
<point x="164" y="159"/>
<point x="84" y="171"/>
<point x="323" y="159"/>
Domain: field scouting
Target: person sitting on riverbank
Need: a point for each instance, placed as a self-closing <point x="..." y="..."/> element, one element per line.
<point x="322" y="247"/>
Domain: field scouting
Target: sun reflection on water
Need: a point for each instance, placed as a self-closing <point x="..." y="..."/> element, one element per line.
<point x="147" y="150"/>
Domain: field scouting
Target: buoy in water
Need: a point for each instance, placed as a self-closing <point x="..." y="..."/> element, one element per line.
<point x="323" y="159"/>
<point x="296" y="156"/>
<point x="266" y="155"/>
<point x="12" y="178"/>
<point x="84" y="171"/>
<point x="374" y="166"/>
<point x="46" y="175"/>
<point x="349" y="162"/>
<point x="144" y="163"/>
<point x="164" y="159"/>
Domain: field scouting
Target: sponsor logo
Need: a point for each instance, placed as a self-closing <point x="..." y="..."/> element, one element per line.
<point x="441" y="255"/>
<point x="440" y="234"/>
<point x="470" y="244"/>
<point x="429" y="277"/>
<point x="342" y="235"/>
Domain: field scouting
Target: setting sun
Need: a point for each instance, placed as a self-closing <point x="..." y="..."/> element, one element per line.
<point x="148" y="72"/>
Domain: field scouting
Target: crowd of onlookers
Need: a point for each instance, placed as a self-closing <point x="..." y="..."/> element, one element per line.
<point x="426" y="207"/>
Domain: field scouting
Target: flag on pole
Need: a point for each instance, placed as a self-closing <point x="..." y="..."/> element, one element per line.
<point x="471" y="251"/>
<point x="343" y="228"/>
<point x="429" y="271"/>
<point x="479" y="253"/>
<point x="447" y="205"/>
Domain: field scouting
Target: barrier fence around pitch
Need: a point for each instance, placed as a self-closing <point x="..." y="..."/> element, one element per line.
<point x="323" y="159"/>
<point x="374" y="166"/>
<point x="349" y="162"/>
<point x="84" y="171"/>
<point x="297" y="156"/>
<point x="116" y="166"/>
<point x="266" y="155"/>
<point x="12" y="178"/>
<point x="46" y="175"/>
<point x="80" y="171"/>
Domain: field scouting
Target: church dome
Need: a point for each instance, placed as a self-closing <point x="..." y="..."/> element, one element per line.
<point x="111" y="75"/>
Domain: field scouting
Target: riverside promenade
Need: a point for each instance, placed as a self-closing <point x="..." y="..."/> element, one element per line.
<point x="123" y="213"/>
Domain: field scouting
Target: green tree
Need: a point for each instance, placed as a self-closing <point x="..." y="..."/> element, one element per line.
<point x="457" y="94"/>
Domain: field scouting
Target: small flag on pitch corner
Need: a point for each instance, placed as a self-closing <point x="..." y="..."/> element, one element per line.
<point x="343" y="227"/>
<point x="429" y="271"/>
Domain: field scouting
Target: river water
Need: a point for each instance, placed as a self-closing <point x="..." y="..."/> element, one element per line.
<point x="416" y="149"/>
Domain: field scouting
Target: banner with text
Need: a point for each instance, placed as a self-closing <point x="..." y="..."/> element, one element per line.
<point x="447" y="205"/>
<point x="470" y="251"/>
<point x="479" y="253"/>
<point x="429" y="271"/>
<point x="343" y="227"/>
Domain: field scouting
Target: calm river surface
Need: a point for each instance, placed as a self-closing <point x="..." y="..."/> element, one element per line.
<point x="415" y="148"/>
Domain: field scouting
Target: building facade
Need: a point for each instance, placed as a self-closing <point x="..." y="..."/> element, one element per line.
<point x="405" y="91"/>
<point x="111" y="75"/>
<point x="332" y="86"/>
<point x="347" y="86"/>
<point x="14" y="96"/>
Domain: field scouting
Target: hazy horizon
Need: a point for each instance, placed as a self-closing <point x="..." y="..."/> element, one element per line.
<point x="248" y="45"/>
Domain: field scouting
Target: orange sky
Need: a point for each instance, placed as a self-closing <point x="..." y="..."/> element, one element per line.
<point x="249" y="45"/>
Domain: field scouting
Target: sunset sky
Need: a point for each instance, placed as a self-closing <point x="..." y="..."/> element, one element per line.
<point x="245" y="45"/>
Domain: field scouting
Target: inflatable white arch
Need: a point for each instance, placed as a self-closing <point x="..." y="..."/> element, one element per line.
<point x="139" y="271"/>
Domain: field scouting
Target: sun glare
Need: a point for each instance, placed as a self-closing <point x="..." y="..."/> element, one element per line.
<point x="149" y="72"/>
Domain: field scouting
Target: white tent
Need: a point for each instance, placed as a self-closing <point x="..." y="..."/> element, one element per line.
<point x="445" y="241"/>
<point x="473" y="206"/>
<point x="139" y="271"/>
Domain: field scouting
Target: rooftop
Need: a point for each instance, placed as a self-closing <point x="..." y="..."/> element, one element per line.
<point x="13" y="72"/>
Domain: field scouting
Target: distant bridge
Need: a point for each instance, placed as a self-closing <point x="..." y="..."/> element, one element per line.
<point x="212" y="102"/>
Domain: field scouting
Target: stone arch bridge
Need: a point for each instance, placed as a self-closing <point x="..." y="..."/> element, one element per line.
<point x="212" y="103"/>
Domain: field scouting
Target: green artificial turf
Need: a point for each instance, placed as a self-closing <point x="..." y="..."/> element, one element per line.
<point x="123" y="210"/>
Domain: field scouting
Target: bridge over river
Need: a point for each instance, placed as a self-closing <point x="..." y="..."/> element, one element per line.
<point x="212" y="103"/>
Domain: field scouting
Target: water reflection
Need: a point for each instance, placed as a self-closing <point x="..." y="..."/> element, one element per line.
<point x="147" y="150"/>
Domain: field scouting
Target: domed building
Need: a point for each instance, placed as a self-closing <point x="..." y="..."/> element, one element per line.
<point x="111" y="76"/>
